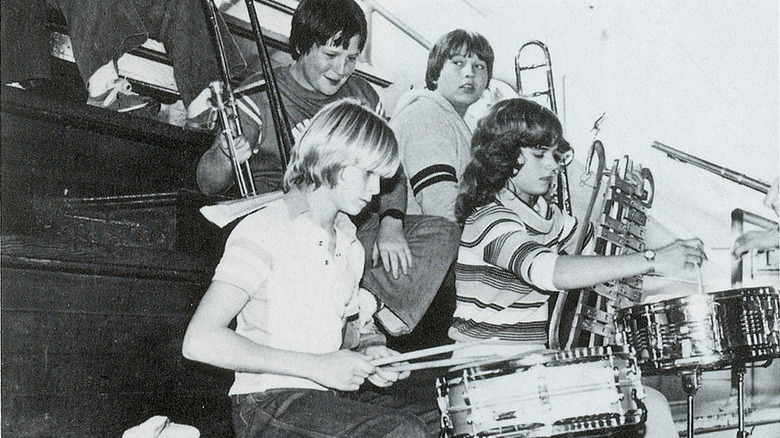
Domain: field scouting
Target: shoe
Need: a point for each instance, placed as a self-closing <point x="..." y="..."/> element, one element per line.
<point x="206" y="121"/>
<point x="120" y="98"/>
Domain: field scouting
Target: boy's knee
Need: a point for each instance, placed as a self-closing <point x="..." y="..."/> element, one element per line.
<point x="438" y="232"/>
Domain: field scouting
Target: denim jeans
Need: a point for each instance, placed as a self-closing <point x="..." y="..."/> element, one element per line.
<point x="434" y="243"/>
<point x="324" y="414"/>
<point x="102" y="31"/>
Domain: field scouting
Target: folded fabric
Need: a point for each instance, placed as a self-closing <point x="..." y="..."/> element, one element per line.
<point x="160" y="426"/>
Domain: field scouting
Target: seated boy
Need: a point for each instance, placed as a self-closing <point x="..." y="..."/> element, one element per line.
<point x="517" y="250"/>
<point x="290" y="275"/>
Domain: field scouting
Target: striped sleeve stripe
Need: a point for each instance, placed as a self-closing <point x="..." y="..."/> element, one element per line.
<point x="520" y="332"/>
<point x="380" y="109"/>
<point x="432" y="175"/>
<point x="485" y="232"/>
<point x="249" y="107"/>
<point x="493" y="276"/>
<point x="482" y="305"/>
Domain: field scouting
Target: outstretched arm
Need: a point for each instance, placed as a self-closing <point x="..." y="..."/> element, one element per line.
<point x="208" y="339"/>
<point x="573" y="272"/>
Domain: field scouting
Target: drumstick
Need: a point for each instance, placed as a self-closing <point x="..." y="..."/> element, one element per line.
<point x="680" y="280"/>
<point x="415" y="366"/>
<point x="419" y="354"/>
<point x="701" y="281"/>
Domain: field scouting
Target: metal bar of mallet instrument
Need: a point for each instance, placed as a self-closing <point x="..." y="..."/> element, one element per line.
<point x="714" y="168"/>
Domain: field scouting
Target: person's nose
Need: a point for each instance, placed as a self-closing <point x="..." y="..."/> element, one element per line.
<point x="550" y="162"/>
<point x="341" y="66"/>
<point x="373" y="184"/>
<point x="468" y="70"/>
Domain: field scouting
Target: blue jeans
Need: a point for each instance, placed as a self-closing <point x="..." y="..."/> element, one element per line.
<point x="102" y="31"/>
<point x="324" y="414"/>
<point x="434" y="243"/>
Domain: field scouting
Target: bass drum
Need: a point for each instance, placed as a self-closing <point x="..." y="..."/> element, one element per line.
<point x="592" y="391"/>
<point x="750" y="323"/>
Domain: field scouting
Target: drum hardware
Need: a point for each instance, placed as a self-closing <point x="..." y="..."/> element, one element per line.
<point x="691" y="381"/>
<point x="696" y="333"/>
<point x="769" y="329"/>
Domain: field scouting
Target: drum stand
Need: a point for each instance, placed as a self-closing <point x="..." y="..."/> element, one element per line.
<point x="739" y="368"/>
<point x="691" y="380"/>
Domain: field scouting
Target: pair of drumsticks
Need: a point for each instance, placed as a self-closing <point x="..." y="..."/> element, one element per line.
<point x="401" y="362"/>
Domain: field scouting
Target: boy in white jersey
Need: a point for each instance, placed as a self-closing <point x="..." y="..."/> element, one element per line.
<point x="517" y="250"/>
<point x="290" y="274"/>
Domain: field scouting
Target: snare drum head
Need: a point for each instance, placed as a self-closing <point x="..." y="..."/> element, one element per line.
<point x="544" y="394"/>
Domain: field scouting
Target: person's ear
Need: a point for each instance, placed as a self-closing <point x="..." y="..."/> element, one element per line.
<point x="518" y="165"/>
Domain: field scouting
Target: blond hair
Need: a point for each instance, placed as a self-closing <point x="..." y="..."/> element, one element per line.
<point x="343" y="133"/>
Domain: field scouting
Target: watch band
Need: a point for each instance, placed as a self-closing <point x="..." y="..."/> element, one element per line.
<point x="393" y="213"/>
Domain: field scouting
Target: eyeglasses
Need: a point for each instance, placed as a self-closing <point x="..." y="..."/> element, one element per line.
<point x="562" y="158"/>
<point x="565" y="158"/>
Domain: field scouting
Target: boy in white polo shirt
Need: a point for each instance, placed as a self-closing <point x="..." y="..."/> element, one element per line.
<point x="290" y="274"/>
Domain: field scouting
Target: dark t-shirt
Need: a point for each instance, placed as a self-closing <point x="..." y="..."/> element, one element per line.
<point x="300" y="105"/>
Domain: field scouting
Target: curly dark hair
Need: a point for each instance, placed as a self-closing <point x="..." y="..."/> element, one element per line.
<point x="510" y="125"/>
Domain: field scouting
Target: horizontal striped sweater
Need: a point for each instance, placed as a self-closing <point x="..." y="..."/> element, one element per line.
<point x="496" y="297"/>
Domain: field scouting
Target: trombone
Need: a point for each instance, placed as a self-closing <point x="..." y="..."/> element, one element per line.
<point x="562" y="195"/>
<point x="227" y="108"/>
<point x="519" y="69"/>
<point x="225" y="103"/>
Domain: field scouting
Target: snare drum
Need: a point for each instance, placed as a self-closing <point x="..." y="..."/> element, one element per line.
<point x="585" y="390"/>
<point x="672" y="335"/>
<point x="750" y="323"/>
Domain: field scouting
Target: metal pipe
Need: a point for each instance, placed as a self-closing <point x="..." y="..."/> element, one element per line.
<point x="714" y="168"/>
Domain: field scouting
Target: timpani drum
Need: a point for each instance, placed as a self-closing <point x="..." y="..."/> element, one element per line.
<point x="593" y="391"/>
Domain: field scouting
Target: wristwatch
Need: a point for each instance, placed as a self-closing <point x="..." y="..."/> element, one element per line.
<point x="650" y="257"/>
<point x="393" y="213"/>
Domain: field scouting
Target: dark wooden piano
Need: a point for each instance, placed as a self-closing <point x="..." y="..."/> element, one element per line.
<point x="104" y="258"/>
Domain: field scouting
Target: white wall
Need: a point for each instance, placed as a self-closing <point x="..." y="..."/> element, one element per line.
<point x="700" y="76"/>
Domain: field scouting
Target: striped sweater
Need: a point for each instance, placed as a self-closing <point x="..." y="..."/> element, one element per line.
<point x="496" y="296"/>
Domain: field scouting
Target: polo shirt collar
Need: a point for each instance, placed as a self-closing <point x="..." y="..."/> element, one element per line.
<point x="297" y="205"/>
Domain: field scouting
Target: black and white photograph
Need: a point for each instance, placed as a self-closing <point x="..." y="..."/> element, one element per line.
<point x="389" y="219"/>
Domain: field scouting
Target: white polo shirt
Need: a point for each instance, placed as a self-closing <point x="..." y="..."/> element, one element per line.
<point x="298" y="294"/>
